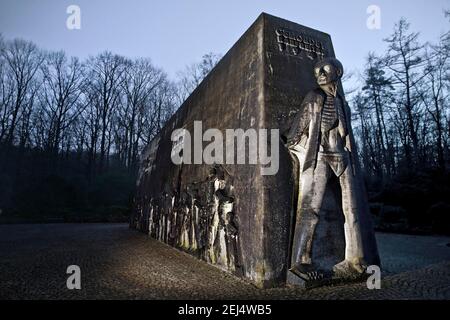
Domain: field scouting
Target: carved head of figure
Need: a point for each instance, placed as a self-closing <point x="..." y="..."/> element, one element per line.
<point x="327" y="71"/>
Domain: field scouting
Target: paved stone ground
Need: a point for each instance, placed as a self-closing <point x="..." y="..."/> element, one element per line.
<point x="119" y="263"/>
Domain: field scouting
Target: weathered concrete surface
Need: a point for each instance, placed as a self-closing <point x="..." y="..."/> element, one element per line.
<point x="119" y="263"/>
<point x="231" y="215"/>
<point x="181" y="202"/>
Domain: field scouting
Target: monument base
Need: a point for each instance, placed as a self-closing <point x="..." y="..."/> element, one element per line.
<point x="294" y="280"/>
<point x="329" y="280"/>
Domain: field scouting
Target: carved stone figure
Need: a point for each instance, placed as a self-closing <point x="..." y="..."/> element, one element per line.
<point x="321" y="138"/>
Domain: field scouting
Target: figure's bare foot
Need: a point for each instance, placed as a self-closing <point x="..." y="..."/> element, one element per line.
<point x="307" y="272"/>
<point x="349" y="269"/>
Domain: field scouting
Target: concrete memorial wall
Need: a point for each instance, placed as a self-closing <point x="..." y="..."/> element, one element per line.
<point x="240" y="217"/>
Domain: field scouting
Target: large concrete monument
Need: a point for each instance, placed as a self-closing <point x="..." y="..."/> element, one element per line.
<point x="299" y="217"/>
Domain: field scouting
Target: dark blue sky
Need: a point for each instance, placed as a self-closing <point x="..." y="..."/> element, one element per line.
<point x="174" y="33"/>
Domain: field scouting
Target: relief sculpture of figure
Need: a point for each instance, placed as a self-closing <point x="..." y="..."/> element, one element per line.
<point x="321" y="138"/>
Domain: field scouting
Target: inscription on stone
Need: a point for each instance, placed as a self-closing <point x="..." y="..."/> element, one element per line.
<point x="293" y="43"/>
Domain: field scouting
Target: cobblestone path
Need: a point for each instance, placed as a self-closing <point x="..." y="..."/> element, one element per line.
<point x="119" y="263"/>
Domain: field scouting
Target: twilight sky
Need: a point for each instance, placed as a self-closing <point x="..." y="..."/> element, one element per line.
<point x="174" y="33"/>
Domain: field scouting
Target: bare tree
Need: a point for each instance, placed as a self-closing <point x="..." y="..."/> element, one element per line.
<point x="22" y="60"/>
<point x="377" y="98"/>
<point x="434" y="95"/>
<point x="141" y="81"/>
<point x="7" y="92"/>
<point x="105" y="74"/>
<point x="193" y="75"/>
<point x="362" y="130"/>
<point x="91" y="117"/>
<point x="60" y="96"/>
<point x="404" y="61"/>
